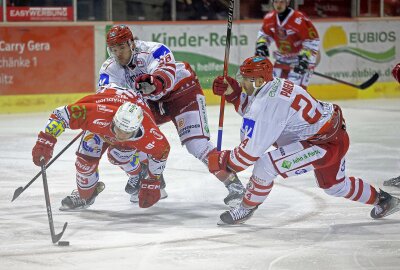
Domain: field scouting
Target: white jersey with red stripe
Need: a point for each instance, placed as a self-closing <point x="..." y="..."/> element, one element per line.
<point x="148" y="58"/>
<point x="280" y="113"/>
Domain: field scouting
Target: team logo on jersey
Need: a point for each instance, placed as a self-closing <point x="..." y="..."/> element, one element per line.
<point x="281" y="32"/>
<point x="248" y="127"/>
<point x="101" y="122"/>
<point x="104" y="79"/>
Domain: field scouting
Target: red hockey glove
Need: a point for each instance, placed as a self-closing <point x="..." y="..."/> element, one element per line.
<point x="43" y="148"/>
<point x="396" y="72"/>
<point x="220" y="87"/>
<point x="218" y="160"/>
<point x="149" y="84"/>
<point x="149" y="192"/>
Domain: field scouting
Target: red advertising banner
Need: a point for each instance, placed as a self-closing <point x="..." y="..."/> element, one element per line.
<point x="18" y="14"/>
<point x="37" y="60"/>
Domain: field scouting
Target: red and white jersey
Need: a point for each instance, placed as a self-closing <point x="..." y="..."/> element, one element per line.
<point x="294" y="34"/>
<point x="148" y="58"/>
<point x="95" y="113"/>
<point x="279" y="114"/>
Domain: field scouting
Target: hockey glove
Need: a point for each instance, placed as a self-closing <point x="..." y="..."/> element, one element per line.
<point x="261" y="47"/>
<point x="230" y="88"/>
<point x="302" y="66"/>
<point x="218" y="160"/>
<point x="149" y="192"/>
<point x="149" y="84"/>
<point x="396" y="72"/>
<point x="43" y="148"/>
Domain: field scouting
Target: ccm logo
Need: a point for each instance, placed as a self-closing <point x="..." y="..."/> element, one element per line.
<point x="44" y="141"/>
<point x="151" y="186"/>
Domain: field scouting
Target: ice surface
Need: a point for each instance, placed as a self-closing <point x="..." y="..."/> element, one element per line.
<point x="298" y="227"/>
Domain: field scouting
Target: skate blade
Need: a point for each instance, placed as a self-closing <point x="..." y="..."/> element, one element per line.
<point x="67" y="209"/>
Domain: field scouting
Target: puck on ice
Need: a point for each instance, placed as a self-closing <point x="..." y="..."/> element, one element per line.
<point x="63" y="243"/>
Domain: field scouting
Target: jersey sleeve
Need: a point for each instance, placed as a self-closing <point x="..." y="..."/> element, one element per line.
<point x="265" y="32"/>
<point x="309" y="36"/>
<point x="260" y="129"/>
<point x="110" y="74"/>
<point x="161" y="64"/>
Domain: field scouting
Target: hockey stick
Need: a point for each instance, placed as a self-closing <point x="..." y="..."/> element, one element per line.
<point x="362" y="86"/>
<point x="19" y="190"/>
<point x="54" y="237"/>
<point x="226" y="65"/>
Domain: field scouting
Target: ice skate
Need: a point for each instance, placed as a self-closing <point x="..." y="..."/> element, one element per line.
<point x="386" y="205"/>
<point x="74" y="202"/>
<point x="237" y="215"/>
<point x="133" y="185"/>
<point x="393" y="182"/>
<point x="236" y="192"/>
<point x="134" y="196"/>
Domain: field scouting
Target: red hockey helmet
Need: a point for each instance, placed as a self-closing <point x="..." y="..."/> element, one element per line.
<point x="257" y="66"/>
<point x="119" y="34"/>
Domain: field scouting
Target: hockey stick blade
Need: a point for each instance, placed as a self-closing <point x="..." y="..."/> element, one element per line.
<point x="370" y="82"/>
<point x="57" y="237"/>
<point x="17" y="192"/>
<point x="362" y="86"/>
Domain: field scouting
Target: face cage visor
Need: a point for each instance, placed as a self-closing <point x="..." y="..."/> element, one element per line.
<point x="130" y="43"/>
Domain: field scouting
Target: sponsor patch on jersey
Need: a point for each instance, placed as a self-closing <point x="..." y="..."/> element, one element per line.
<point x="91" y="143"/>
<point x="156" y="134"/>
<point x="248" y="127"/>
<point x="101" y="122"/>
<point x="160" y="52"/>
<point x="104" y="79"/>
<point x="103" y="109"/>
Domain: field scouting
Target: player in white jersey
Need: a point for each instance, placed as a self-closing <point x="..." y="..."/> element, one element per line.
<point x="395" y="182"/>
<point x="309" y="135"/>
<point x="173" y="93"/>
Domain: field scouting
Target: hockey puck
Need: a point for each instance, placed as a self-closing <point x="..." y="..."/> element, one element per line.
<point x="63" y="243"/>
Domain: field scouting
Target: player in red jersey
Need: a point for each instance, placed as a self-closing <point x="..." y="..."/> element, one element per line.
<point x="297" y="41"/>
<point x="126" y="125"/>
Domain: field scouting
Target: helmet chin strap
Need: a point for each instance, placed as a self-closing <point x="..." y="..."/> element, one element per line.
<point x="131" y="42"/>
<point x="256" y="89"/>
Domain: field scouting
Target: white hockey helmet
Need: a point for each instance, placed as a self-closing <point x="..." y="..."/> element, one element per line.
<point x="128" y="118"/>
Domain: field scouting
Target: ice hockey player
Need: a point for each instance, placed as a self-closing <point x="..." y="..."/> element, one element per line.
<point x="124" y="122"/>
<point x="396" y="180"/>
<point x="172" y="91"/>
<point x="296" y="39"/>
<point x="309" y="135"/>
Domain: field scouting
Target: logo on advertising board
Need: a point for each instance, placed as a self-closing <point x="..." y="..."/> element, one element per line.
<point x="336" y="41"/>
